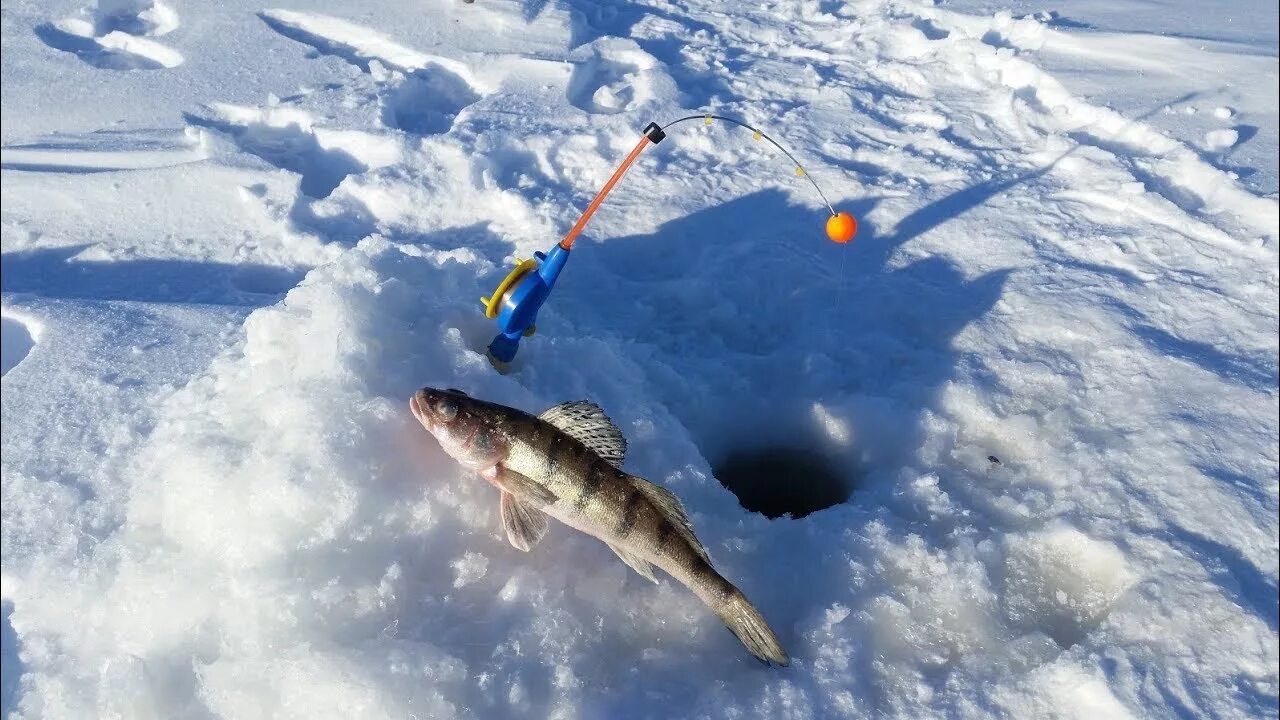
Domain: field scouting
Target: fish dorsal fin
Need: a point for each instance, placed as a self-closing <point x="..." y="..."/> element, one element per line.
<point x="636" y="562"/>
<point x="586" y="422"/>
<point x="525" y="525"/>
<point x="669" y="505"/>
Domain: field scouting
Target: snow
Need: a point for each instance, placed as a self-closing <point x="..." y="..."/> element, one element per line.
<point x="236" y="239"/>
<point x="1218" y="140"/>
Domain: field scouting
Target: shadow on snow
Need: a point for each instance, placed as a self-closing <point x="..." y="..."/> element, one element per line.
<point x="54" y="273"/>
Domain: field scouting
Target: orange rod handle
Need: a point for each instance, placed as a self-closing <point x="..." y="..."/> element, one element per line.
<point x="567" y="242"/>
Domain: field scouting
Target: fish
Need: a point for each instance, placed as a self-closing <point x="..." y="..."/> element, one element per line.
<point x="566" y="464"/>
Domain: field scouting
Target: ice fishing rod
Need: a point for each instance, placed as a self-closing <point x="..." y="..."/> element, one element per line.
<point x="514" y="304"/>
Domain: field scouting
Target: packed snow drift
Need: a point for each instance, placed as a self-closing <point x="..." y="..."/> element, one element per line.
<point x="1024" y="426"/>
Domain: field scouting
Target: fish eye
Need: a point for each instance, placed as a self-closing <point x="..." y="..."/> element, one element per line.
<point x="446" y="409"/>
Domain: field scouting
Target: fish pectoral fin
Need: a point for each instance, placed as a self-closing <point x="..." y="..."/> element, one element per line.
<point x="525" y="525"/>
<point x="586" y="422"/>
<point x="636" y="562"/>
<point x="523" y="487"/>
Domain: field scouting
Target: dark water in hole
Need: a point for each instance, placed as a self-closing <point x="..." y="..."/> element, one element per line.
<point x="780" y="481"/>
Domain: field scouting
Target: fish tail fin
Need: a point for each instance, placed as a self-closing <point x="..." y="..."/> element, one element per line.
<point x="746" y="622"/>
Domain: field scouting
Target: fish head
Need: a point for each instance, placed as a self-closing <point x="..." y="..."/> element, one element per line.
<point x="471" y="431"/>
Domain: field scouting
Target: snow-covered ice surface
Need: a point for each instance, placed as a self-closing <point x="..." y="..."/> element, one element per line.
<point x="236" y="238"/>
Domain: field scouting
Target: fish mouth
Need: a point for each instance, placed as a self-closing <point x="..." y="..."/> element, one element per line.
<point x="419" y="410"/>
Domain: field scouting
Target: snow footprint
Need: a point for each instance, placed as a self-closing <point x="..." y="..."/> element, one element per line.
<point x="17" y="339"/>
<point x="286" y="138"/>
<point x="1062" y="582"/>
<point x="114" y="35"/>
<point x="420" y="93"/>
<point x="611" y="75"/>
<point x="427" y="101"/>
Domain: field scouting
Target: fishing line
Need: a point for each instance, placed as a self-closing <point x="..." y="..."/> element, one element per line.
<point x="757" y="134"/>
<point x="655" y="133"/>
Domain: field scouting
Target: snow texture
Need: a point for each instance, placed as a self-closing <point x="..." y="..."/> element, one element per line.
<point x="237" y="238"/>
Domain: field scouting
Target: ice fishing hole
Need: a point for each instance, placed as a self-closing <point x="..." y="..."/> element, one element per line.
<point x="779" y="481"/>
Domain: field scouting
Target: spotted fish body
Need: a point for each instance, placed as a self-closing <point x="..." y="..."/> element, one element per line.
<point x="566" y="464"/>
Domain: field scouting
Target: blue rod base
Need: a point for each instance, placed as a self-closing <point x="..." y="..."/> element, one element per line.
<point x="504" y="347"/>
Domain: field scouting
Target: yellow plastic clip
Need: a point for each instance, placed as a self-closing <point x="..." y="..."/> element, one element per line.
<point x="757" y="135"/>
<point x="492" y="302"/>
<point x="799" y="171"/>
<point x="706" y="120"/>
